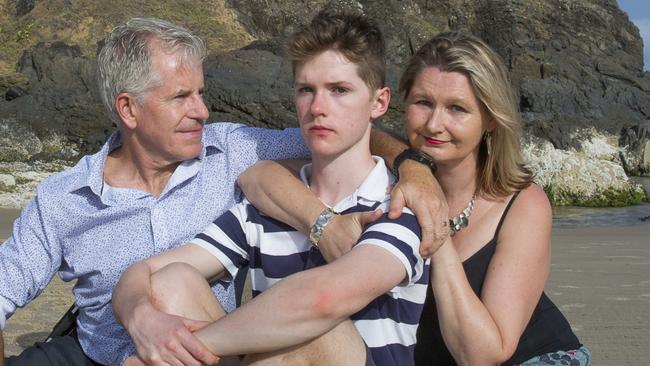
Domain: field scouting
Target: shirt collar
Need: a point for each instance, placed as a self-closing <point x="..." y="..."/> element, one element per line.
<point x="94" y="178"/>
<point x="375" y="187"/>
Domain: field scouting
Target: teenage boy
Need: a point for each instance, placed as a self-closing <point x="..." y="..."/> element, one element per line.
<point x="301" y="314"/>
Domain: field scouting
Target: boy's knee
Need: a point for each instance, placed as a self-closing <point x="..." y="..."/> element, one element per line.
<point x="174" y="284"/>
<point x="342" y="345"/>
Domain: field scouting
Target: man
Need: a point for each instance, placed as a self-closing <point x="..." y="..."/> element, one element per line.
<point x="301" y="315"/>
<point x="159" y="180"/>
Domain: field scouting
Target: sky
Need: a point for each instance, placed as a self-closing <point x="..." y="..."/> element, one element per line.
<point x="639" y="13"/>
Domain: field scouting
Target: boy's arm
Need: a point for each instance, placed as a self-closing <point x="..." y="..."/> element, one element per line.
<point x="417" y="189"/>
<point x="273" y="188"/>
<point x="307" y="304"/>
<point x="154" y="333"/>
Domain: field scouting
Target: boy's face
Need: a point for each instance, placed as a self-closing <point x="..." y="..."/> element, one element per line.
<point x="334" y="105"/>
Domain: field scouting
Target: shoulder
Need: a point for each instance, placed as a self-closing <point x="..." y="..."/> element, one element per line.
<point x="529" y="220"/>
<point x="65" y="181"/>
<point x="405" y="227"/>
<point x="218" y="132"/>
<point x="532" y="202"/>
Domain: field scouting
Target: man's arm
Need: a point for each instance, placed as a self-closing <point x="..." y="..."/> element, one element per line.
<point x="158" y="335"/>
<point x="289" y="200"/>
<point x="417" y="189"/>
<point x="305" y="305"/>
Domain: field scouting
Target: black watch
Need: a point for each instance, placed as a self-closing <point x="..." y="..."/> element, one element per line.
<point x="413" y="155"/>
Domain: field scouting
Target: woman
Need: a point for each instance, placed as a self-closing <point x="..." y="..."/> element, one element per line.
<point x="486" y="303"/>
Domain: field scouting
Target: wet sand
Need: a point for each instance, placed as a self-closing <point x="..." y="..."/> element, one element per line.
<point x="600" y="278"/>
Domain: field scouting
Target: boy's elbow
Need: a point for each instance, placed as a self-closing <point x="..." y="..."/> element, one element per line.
<point x="329" y="301"/>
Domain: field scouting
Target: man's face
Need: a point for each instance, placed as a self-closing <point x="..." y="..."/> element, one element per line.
<point x="170" y="116"/>
<point x="334" y="105"/>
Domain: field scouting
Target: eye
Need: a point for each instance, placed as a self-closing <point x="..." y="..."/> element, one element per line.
<point x="339" y="90"/>
<point x="457" y="108"/>
<point x="423" y="103"/>
<point x="304" y="89"/>
<point x="181" y="95"/>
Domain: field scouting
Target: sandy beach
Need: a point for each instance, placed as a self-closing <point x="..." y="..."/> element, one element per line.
<point x="600" y="278"/>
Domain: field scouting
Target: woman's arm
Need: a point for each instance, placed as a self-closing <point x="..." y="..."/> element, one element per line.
<point x="486" y="330"/>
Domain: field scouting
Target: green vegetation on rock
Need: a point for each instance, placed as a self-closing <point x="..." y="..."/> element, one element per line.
<point x="83" y="23"/>
<point x="605" y="198"/>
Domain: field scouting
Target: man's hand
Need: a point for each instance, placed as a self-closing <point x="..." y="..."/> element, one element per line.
<point x="343" y="232"/>
<point x="163" y="339"/>
<point x="419" y="190"/>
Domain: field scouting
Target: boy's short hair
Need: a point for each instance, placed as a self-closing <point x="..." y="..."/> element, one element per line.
<point x="353" y="35"/>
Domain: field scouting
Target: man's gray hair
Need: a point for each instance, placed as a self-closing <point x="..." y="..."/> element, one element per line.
<point x="124" y="63"/>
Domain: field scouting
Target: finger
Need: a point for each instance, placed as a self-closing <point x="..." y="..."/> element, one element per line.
<point x="134" y="361"/>
<point x="426" y="225"/>
<point x="397" y="203"/>
<point x="183" y="357"/>
<point x="366" y="218"/>
<point x="194" y="325"/>
<point x="198" y="350"/>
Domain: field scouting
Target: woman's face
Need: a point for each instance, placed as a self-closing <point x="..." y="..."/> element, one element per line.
<point x="445" y="120"/>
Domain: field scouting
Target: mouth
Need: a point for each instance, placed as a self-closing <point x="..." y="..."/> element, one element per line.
<point x="434" y="142"/>
<point x="319" y="130"/>
<point x="192" y="132"/>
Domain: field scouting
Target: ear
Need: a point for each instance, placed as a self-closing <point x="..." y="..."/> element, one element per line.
<point x="126" y="107"/>
<point x="380" y="103"/>
<point x="491" y="125"/>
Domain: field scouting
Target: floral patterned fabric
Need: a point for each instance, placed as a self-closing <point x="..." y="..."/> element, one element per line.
<point x="576" y="357"/>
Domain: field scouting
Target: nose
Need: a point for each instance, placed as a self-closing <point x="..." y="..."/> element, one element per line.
<point x="436" y="123"/>
<point x="198" y="109"/>
<point x="318" y="104"/>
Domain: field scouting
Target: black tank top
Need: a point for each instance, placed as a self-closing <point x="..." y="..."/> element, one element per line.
<point x="547" y="331"/>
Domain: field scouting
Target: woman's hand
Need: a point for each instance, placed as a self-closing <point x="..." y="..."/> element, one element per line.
<point x="419" y="190"/>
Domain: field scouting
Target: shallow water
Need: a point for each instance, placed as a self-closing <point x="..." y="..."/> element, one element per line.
<point x="574" y="217"/>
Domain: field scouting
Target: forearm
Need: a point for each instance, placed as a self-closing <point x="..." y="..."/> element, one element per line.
<point x="274" y="190"/>
<point x="470" y="333"/>
<point x="133" y="290"/>
<point x="276" y="319"/>
<point x="385" y="146"/>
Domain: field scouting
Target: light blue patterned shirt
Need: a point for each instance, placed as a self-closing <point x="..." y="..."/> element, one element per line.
<point x="91" y="235"/>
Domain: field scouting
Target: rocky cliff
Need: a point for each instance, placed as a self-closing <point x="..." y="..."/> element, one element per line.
<point x="577" y="66"/>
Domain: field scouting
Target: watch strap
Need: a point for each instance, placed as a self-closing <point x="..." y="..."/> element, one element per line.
<point x="415" y="155"/>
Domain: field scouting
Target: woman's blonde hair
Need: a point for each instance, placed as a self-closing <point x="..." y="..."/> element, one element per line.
<point x="502" y="171"/>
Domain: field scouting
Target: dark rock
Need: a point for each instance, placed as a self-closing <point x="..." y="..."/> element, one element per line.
<point x="14" y="92"/>
<point x="576" y="65"/>
<point x="62" y="99"/>
<point x="24" y="7"/>
<point x="252" y="85"/>
<point x="635" y="140"/>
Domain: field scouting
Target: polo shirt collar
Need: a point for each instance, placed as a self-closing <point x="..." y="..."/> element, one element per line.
<point x="374" y="187"/>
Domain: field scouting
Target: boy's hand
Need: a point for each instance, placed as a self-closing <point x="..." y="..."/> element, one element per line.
<point x="343" y="232"/>
<point x="419" y="190"/>
<point x="163" y="339"/>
